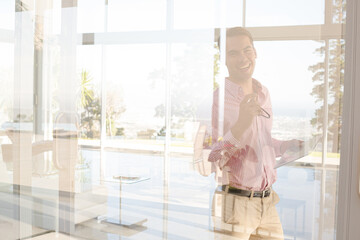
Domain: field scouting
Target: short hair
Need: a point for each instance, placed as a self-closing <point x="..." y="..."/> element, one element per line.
<point x="237" y="31"/>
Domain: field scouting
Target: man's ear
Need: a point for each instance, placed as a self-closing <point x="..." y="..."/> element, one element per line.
<point x="255" y="53"/>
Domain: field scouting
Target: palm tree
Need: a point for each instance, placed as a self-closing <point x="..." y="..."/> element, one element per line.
<point x="91" y="106"/>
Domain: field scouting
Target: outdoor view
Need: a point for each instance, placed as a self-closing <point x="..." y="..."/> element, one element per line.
<point x="133" y="87"/>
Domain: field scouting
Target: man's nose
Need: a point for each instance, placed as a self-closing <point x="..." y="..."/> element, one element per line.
<point x="241" y="56"/>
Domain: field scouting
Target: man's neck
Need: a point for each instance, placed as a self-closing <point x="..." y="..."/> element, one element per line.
<point x="246" y="85"/>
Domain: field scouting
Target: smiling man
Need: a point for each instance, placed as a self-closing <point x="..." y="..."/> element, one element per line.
<point x="246" y="155"/>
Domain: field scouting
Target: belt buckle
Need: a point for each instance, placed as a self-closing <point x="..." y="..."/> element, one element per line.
<point x="263" y="194"/>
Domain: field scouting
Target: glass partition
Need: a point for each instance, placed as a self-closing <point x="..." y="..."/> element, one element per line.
<point x="110" y="112"/>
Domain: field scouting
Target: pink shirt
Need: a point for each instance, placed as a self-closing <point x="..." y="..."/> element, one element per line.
<point x="250" y="160"/>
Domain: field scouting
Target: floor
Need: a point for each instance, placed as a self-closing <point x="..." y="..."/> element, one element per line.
<point x="177" y="206"/>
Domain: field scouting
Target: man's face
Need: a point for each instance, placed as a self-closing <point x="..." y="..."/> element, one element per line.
<point x="240" y="58"/>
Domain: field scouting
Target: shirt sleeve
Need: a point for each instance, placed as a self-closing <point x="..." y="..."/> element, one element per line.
<point x="222" y="151"/>
<point x="277" y="146"/>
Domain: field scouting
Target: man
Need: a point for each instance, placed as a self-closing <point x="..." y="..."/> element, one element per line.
<point x="246" y="155"/>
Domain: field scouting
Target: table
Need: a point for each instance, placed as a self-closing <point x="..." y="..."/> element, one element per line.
<point x="122" y="220"/>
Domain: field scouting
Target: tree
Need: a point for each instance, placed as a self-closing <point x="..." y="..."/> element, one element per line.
<point x="91" y="108"/>
<point x="335" y="79"/>
<point x="114" y="108"/>
<point x="190" y="75"/>
<point x="90" y="102"/>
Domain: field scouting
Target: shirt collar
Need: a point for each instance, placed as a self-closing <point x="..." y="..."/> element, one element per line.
<point x="236" y="90"/>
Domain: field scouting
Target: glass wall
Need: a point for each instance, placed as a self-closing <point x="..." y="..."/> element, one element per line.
<point x="108" y="114"/>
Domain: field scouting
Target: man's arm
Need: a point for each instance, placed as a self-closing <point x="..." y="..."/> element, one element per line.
<point x="249" y="108"/>
<point x="281" y="146"/>
<point x="222" y="151"/>
<point x="237" y="137"/>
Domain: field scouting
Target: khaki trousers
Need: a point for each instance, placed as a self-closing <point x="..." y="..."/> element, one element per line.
<point x="252" y="218"/>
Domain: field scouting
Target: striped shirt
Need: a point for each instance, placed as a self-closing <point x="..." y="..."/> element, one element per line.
<point x="249" y="161"/>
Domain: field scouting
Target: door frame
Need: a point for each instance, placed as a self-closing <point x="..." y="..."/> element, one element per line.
<point x="348" y="210"/>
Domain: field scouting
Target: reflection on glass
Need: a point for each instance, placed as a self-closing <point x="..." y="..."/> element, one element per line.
<point x="295" y="76"/>
<point x="54" y="169"/>
<point x="245" y="156"/>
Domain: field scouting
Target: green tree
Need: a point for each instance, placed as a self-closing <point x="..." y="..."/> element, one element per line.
<point x="335" y="79"/>
<point x="91" y="107"/>
<point x="90" y="102"/>
<point x="87" y="91"/>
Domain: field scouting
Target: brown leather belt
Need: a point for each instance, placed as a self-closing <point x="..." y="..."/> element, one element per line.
<point x="247" y="193"/>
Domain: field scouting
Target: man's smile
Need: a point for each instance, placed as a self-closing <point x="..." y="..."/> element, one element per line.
<point x="246" y="67"/>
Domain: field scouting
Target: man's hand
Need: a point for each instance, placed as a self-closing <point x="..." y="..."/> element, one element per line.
<point x="291" y="144"/>
<point x="249" y="108"/>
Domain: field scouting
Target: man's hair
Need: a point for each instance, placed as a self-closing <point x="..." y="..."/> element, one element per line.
<point x="237" y="31"/>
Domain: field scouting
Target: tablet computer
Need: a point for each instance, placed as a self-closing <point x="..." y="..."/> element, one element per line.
<point x="294" y="153"/>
